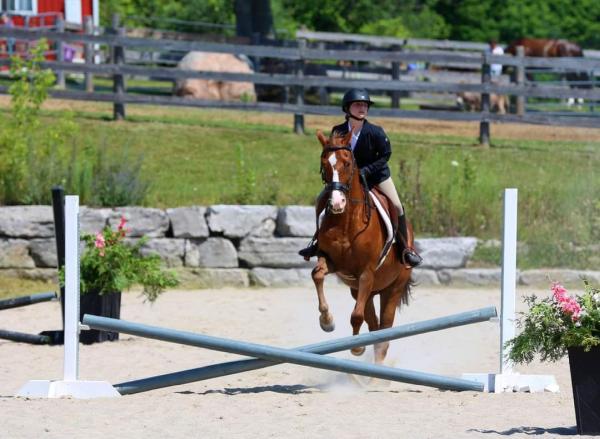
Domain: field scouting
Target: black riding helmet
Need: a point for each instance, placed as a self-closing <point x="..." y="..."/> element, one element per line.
<point x="355" y="95"/>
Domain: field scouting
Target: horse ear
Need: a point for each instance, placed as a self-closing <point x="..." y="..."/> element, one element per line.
<point x="347" y="138"/>
<point x="324" y="140"/>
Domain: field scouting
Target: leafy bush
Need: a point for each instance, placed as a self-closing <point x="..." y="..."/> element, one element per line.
<point x="109" y="265"/>
<point x="118" y="180"/>
<point x="35" y="156"/>
<point x="556" y="323"/>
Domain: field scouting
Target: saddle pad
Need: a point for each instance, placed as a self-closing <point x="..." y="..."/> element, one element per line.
<point x="388" y="228"/>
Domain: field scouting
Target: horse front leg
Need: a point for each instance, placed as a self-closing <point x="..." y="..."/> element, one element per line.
<point x="363" y="294"/>
<point x="318" y="276"/>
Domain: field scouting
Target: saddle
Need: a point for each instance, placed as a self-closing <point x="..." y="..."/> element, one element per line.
<point x="387" y="212"/>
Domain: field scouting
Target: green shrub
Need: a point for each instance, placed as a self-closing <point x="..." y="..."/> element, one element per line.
<point x="118" y="180"/>
<point x="36" y="154"/>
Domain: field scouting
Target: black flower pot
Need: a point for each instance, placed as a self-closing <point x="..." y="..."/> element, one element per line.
<point x="106" y="305"/>
<point x="585" y="377"/>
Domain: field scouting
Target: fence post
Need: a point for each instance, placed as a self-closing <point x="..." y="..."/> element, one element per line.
<point x="299" y="117"/>
<point x="60" y="53"/>
<point x="484" y="125"/>
<point x="520" y="80"/>
<point x="89" y="55"/>
<point x="396" y="77"/>
<point x="118" y="78"/>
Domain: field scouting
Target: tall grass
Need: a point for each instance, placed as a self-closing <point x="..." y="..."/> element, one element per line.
<point x="448" y="185"/>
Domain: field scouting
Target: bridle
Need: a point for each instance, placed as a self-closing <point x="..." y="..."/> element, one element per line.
<point x="344" y="187"/>
<point x="336" y="185"/>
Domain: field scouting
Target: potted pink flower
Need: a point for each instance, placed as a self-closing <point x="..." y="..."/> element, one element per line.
<point x="560" y="325"/>
<point x="109" y="265"/>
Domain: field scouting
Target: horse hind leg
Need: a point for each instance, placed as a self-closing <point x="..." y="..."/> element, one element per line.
<point x="370" y="318"/>
<point x="318" y="276"/>
<point x="390" y="300"/>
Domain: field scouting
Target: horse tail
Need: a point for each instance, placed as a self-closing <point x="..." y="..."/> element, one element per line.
<point x="406" y="293"/>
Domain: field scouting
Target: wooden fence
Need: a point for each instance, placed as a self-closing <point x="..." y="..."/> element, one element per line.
<point x="117" y="69"/>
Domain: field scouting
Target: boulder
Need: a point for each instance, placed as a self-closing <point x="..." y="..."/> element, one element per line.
<point x="440" y="253"/>
<point x="211" y="253"/>
<point x="141" y="221"/>
<point x="171" y="251"/>
<point x="239" y="221"/>
<point x="273" y="252"/>
<point x="27" y="222"/>
<point x="296" y="221"/>
<point x="43" y="252"/>
<point x="14" y="253"/>
<point x="214" y="90"/>
<point x="188" y="222"/>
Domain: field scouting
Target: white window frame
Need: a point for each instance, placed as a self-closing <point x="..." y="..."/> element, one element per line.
<point x="18" y="11"/>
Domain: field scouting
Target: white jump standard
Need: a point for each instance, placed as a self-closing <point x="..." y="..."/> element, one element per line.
<point x="508" y="380"/>
<point x="70" y="385"/>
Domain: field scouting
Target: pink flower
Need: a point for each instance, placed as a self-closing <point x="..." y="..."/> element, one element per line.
<point x="560" y="292"/>
<point x="568" y="304"/>
<point x="121" y="228"/>
<point x="100" y="243"/>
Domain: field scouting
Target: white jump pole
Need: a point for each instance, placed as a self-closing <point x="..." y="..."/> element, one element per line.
<point x="509" y="278"/>
<point x="70" y="385"/>
<point x="508" y="380"/>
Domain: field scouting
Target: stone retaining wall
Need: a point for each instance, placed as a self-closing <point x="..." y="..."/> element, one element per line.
<point x="231" y="245"/>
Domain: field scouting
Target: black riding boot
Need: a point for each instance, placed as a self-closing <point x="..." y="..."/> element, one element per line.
<point x="407" y="254"/>
<point x="310" y="250"/>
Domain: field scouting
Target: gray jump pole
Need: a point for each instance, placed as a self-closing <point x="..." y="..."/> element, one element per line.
<point x="16" y="302"/>
<point x="233" y="367"/>
<point x="23" y="337"/>
<point x="274" y="354"/>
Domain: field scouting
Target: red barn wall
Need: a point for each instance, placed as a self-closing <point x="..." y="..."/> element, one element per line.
<point x="51" y="6"/>
<point x="87" y="8"/>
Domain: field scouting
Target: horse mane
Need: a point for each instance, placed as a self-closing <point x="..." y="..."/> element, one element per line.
<point x="336" y="135"/>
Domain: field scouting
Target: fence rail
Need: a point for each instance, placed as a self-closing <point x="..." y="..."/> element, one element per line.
<point x="118" y="70"/>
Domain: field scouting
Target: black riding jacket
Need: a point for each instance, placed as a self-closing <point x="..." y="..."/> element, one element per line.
<point x="372" y="151"/>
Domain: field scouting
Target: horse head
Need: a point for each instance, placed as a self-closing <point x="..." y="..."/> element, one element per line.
<point x="338" y="169"/>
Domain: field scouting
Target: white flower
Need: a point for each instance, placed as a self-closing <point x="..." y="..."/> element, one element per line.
<point x="596" y="297"/>
<point x="578" y="323"/>
<point x="454" y="163"/>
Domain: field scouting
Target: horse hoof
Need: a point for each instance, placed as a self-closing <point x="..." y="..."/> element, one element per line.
<point x="326" y="322"/>
<point x="358" y="351"/>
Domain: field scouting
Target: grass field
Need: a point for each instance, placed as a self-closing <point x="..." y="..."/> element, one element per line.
<point x="449" y="184"/>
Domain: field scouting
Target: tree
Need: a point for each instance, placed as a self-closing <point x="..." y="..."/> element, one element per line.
<point x="253" y="17"/>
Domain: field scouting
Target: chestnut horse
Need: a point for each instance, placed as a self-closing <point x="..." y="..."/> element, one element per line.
<point x="546" y="48"/>
<point x="351" y="238"/>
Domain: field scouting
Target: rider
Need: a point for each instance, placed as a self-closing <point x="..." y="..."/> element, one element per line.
<point x="372" y="150"/>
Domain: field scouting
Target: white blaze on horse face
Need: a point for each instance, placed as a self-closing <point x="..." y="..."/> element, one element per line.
<point x="338" y="200"/>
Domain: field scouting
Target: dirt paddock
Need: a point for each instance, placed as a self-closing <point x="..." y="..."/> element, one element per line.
<point x="284" y="400"/>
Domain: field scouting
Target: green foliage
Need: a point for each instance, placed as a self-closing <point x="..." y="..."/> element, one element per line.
<point x="450" y="207"/>
<point x="36" y="155"/>
<point x="465" y="20"/>
<point x="556" y="323"/>
<point x="118" y="179"/>
<point x="508" y="20"/>
<point x="28" y="92"/>
<point x="245" y="178"/>
<point x="151" y="13"/>
<point x="109" y="265"/>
